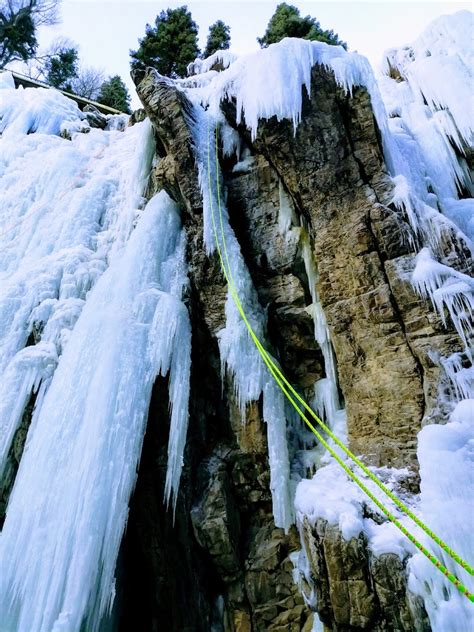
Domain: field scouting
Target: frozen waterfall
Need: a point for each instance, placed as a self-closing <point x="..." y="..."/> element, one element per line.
<point x="101" y="282"/>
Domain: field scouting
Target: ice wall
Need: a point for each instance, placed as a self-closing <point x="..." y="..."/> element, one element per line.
<point x="446" y="457"/>
<point x="427" y="90"/>
<point x="99" y="281"/>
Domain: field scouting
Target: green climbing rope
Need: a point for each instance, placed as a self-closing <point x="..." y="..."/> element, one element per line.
<point x="287" y="388"/>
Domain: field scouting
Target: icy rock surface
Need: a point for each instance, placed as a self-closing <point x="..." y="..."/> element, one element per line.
<point x="99" y="281"/>
<point x="426" y="137"/>
<point x="427" y="89"/>
<point x="237" y="350"/>
<point x="427" y="94"/>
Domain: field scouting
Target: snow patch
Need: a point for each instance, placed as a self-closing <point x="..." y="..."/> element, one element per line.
<point x="40" y="110"/>
<point x="446" y="458"/>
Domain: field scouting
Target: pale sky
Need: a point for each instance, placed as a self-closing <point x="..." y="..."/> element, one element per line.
<point x="106" y="30"/>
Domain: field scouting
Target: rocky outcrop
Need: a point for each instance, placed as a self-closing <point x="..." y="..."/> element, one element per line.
<point x="356" y="590"/>
<point x="333" y="169"/>
<point x="224" y="566"/>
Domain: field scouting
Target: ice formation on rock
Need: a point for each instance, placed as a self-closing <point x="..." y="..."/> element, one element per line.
<point x="222" y="58"/>
<point x="446" y="457"/>
<point x="427" y="91"/>
<point x="425" y="141"/>
<point x="238" y="353"/>
<point x="91" y="313"/>
<point x="100" y="282"/>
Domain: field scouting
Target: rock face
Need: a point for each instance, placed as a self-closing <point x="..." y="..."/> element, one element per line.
<point x="354" y="589"/>
<point x="224" y="566"/>
<point x="333" y="170"/>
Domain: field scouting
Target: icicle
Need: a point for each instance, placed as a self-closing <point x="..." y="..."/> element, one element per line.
<point x="286" y="214"/>
<point x="326" y="400"/>
<point x="275" y="418"/>
<point x="460" y="377"/>
<point x="446" y="288"/>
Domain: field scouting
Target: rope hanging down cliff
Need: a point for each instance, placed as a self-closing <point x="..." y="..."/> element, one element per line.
<point x="297" y="402"/>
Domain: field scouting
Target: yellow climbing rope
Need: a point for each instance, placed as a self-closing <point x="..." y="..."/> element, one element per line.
<point x="294" y="397"/>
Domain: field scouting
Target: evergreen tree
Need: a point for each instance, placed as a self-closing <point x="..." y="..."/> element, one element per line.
<point x="114" y="93"/>
<point x="170" y="45"/>
<point x="61" y="69"/>
<point x="287" y="22"/>
<point x="17" y="36"/>
<point x="19" y="20"/>
<point x="218" y="38"/>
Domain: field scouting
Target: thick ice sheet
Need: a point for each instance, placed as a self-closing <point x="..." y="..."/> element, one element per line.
<point x="92" y="284"/>
<point x="69" y="505"/>
<point x="67" y="208"/>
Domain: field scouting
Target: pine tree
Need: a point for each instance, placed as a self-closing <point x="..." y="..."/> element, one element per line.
<point x="170" y="45"/>
<point x="19" y="21"/>
<point x="218" y="38"/>
<point x="17" y="36"/>
<point x="287" y="22"/>
<point x="114" y="93"/>
<point x="61" y="68"/>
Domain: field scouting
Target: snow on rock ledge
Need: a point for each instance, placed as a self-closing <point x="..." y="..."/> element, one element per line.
<point x="286" y="67"/>
<point x="40" y="110"/>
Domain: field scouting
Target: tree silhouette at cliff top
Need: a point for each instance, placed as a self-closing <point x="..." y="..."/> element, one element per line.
<point x="218" y="38"/>
<point x="170" y="45"/>
<point x="287" y="22"/>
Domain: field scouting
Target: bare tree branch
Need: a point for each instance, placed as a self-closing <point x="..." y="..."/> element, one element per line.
<point x="88" y="82"/>
<point x="44" y="12"/>
<point x="36" y="67"/>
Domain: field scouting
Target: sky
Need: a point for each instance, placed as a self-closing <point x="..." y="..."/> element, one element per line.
<point x="105" y="31"/>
